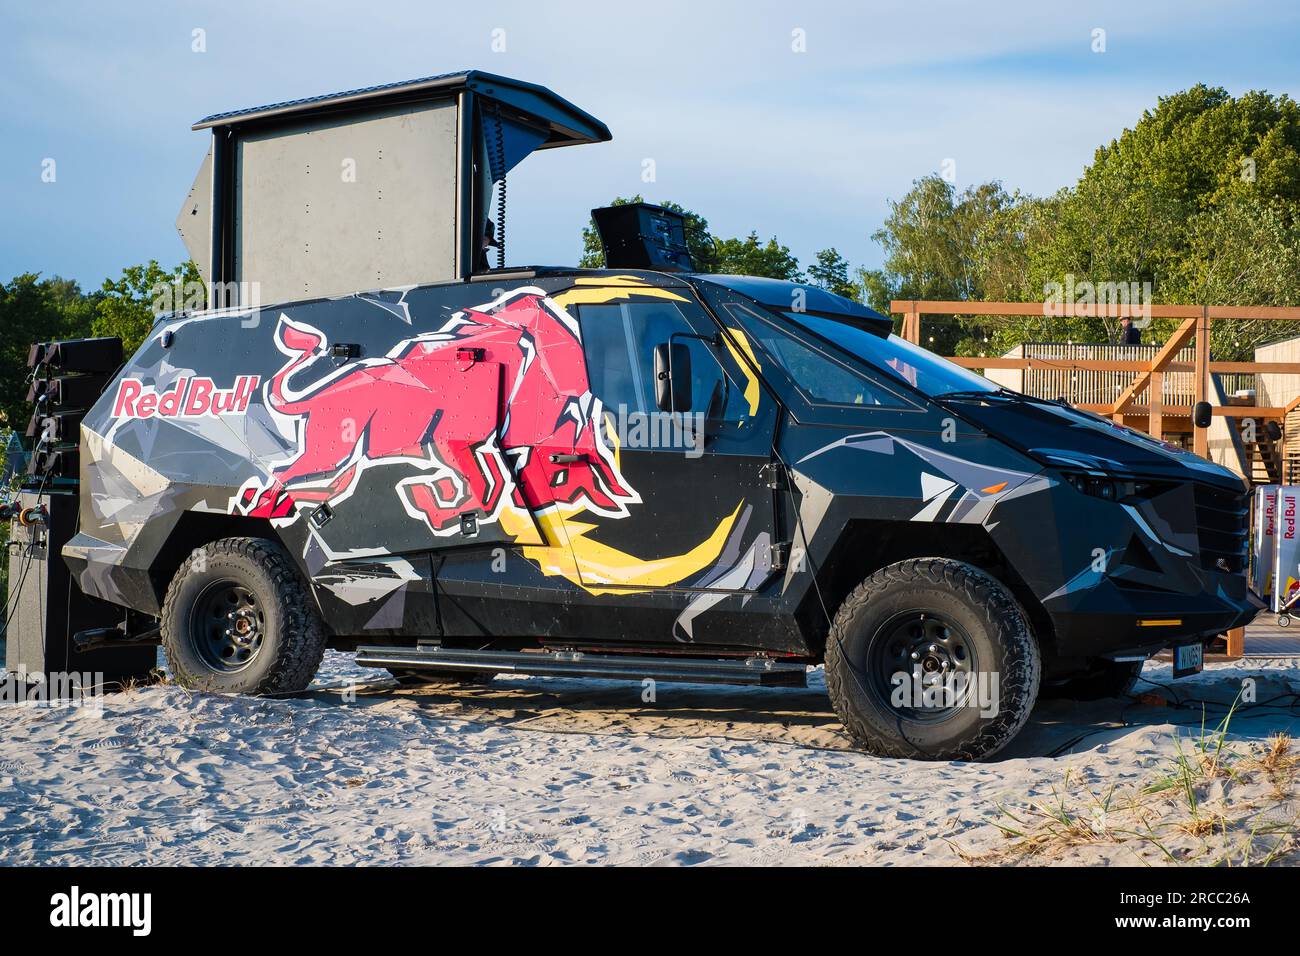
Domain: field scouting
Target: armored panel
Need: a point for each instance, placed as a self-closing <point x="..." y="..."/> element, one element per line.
<point x="194" y="221"/>
<point x="332" y="205"/>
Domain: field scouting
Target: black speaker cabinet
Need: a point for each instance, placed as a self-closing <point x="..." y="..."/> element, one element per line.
<point x="641" y="236"/>
<point x="46" y="608"/>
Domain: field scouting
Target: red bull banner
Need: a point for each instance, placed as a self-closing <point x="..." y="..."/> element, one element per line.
<point x="1286" y="546"/>
<point x="1263" y="525"/>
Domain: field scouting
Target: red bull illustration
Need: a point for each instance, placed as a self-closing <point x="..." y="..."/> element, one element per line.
<point x="495" y="404"/>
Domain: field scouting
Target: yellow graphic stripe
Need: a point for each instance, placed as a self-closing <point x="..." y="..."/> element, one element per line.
<point x="752" y="390"/>
<point x="593" y="290"/>
<point x="600" y="569"/>
<point x="609" y="280"/>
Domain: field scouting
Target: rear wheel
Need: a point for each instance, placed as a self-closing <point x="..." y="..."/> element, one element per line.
<point x="932" y="659"/>
<point x="238" y="619"/>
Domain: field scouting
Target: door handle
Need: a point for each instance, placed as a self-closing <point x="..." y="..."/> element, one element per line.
<point x="567" y="459"/>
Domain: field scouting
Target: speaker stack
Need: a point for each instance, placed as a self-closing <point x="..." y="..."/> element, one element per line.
<point x="46" y="611"/>
<point x="67" y="378"/>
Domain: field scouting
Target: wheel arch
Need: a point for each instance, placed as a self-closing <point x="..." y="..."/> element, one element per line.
<point x="194" y="529"/>
<point x="867" y="545"/>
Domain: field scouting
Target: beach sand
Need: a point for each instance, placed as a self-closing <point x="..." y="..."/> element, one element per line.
<point x="530" y="771"/>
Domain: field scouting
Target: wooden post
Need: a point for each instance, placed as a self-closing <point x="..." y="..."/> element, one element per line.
<point x="912" y="325"/>
<point x="1156" y="404"/>
<point x="1201" y="379"/>
<point x="1236" y="643"/>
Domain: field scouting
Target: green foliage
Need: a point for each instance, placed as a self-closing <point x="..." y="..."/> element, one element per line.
<point x="129" y="305"/>
<point x="1197" y="203"/>
<point x="34" y="310"/>
<point x="941" y="244"/>
<point x="752" y="257"/>
<point x="831" y="272"/>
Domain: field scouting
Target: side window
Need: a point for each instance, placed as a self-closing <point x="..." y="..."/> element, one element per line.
<point x="822" y="378"/>
<point x="619" y="340"/>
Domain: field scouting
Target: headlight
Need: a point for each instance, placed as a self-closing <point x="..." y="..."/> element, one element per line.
<point x="1114" y="489"/>
<point x="1096" y="486"/>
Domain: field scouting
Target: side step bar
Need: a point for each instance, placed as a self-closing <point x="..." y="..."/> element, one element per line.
<point x="97" y="638"/>
<point x="758" y="671"/>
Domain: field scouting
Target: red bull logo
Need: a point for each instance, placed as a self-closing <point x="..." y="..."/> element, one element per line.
<point x="187" y="397"/>
<point x="479" y="407"/>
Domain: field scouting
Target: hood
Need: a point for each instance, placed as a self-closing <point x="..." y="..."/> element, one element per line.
<point x="1063" y="437"/>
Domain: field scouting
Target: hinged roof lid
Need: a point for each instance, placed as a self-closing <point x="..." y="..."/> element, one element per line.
<point x="567" y="124"/>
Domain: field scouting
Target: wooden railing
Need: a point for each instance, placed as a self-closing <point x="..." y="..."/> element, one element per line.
<point x="1147" y="375"/>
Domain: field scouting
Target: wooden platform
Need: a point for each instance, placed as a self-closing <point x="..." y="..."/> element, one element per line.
<point x="1265" y="639"/>
<point x="1262" y="639"/>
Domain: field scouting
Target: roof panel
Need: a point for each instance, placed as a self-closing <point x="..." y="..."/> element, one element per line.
<point x="568" y="124"/>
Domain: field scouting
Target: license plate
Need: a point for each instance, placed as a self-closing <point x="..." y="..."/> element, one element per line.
<point x="1189" y="659"/>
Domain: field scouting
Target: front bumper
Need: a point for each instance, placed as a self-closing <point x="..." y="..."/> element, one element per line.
<point x="1135" y="575"/>
<point x="1112" y="621"/>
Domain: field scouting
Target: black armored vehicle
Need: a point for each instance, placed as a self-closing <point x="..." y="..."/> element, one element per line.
<point x="373" y="439"/>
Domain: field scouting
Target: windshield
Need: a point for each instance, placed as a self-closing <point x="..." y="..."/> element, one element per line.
<point x="918" y="367"/>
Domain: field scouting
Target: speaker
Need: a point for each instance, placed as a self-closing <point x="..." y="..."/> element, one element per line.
<point x="97" y="356"/>
<point x="637" y="235"/>
<point x="46" y="608"/>
<point x="68" y="377"/>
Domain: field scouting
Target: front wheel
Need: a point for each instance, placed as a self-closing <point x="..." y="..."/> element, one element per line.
<point x="932" y="659"/>
<point x="238" y="619"/>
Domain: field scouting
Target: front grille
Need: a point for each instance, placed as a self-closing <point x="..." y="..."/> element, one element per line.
<point x="1222" y="527"/>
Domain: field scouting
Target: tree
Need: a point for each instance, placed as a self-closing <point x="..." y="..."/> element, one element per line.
<point x="751" y="257"/>
<point x="1244" y="251"/>
<point x="831" y="272"/>
<point x="1183" y="200"/>
<point x="940" y="244"/>
<point x="33" y="310"/>
<point x="1197" y="203"/>
<point x="130" y="305"/>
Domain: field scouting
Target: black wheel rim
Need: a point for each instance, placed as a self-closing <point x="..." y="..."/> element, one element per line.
<point x="925" y="648"/>
<point x="227" y="626"/>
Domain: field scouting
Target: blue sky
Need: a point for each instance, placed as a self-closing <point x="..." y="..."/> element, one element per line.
<point x="809" y="146"/>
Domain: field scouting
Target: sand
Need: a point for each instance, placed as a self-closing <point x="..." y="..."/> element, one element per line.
<point x="544" y="772"/>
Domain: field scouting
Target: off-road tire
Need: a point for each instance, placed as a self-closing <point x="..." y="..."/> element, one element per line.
<point x="449" y="679"/>
<point x="997" y="628"/>
<point x="1107" y="679"/>
<point x="292" y="634"/>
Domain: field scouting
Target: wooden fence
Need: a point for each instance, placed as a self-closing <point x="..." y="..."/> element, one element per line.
<point x="1165" y="405"/>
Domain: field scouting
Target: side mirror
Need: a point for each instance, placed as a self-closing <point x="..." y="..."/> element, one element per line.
<point x="673" y="377"/>
<point x="1202" y="414"/>
<point x="1273" y="430"/>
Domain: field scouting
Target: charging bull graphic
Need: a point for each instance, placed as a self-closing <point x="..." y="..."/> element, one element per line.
<point x="495" y="406"/>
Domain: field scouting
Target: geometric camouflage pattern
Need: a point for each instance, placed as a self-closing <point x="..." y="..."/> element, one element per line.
<point x="438" y="463"/>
